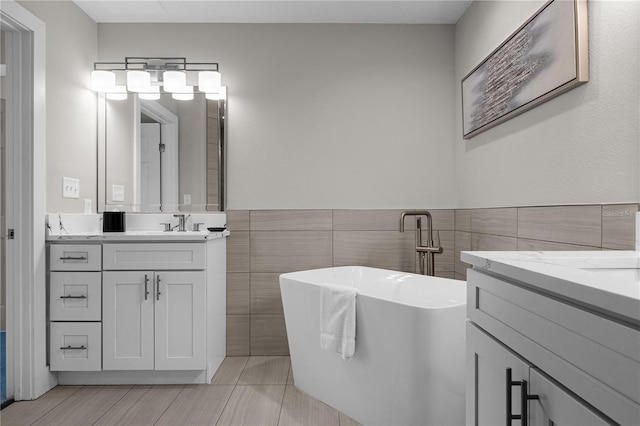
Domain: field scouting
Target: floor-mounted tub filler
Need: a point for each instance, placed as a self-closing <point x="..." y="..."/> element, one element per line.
<point x="408" y="367"/>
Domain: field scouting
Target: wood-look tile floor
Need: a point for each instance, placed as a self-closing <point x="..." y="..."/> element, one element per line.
<point x="255" y="390"/>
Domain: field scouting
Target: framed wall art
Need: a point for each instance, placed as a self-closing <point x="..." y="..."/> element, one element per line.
<point x="545" y="57"/>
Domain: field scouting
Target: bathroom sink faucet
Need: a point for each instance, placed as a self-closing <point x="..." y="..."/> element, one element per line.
<point x="182" y="220"/>
<point x="424" y="252"/>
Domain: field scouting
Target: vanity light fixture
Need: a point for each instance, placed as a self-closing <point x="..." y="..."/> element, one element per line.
<point x="146" y="76"/>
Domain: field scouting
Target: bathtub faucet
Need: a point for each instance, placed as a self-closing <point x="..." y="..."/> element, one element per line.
<point x="424" y="252"/>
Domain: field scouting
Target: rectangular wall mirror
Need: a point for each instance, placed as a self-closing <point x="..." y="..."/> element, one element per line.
<point x="161" y="155"/>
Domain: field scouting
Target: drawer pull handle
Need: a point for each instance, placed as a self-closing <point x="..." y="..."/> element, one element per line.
<point x="158" y="288"/>
<point x="73" y="297"/>
<point x="524" y="400"/>
<point x="73" y="347"/>
<point x="146" y="288"/>
<point x="73" y="258"/>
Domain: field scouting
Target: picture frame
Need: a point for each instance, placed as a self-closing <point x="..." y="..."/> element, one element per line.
<point x="545" y="57"/>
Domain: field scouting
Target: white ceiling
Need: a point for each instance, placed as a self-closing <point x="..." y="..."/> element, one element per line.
<point x="277" y="11"/>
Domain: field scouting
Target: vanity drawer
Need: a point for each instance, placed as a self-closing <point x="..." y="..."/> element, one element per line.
<point x="163" y="256"/>
<point x="75" y="257"/>
<point x="76" y="346"/>
<point x="75" y="296"/>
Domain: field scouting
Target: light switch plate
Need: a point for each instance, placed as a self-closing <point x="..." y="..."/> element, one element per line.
<point x="70" y="187"/>
<point x="87" y="206"/>
<point x="117" y="193"/>
<point x="187" y="199"/>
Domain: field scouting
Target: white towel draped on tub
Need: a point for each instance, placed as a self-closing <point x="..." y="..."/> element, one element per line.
<point x="338" y="319"/>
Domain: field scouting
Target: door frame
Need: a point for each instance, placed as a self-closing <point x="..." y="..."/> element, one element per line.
<point x="28" y="374"/>
<point x="169" y="134"/>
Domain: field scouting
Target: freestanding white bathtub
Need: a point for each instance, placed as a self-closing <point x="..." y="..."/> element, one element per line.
<point x="409" y="362"/>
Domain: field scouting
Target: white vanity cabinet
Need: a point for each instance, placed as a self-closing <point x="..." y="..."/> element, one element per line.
<point x="137" y="307"/>
<point x="568" y="362"/>
<point x="154" y="319"/>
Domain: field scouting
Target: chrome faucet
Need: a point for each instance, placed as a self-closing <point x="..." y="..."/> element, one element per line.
<point x="424" y="252"/>
<point x="182" y="220"/>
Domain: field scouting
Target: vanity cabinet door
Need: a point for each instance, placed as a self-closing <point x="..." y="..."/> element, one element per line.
<point x="486" y="391"/>
<point x="127" y="318"/>
<point x="180" y="320"/>
<point x="556" y="406"/>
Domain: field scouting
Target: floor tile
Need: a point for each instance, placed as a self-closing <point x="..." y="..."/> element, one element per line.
<point x="230" y="370"/>
<point x="142" y="405"/>
<point x="197" y="405"/>
<point x="85" y="406"/>
<point x="27" y="412"/>
<point x="298" y="408"/>
<point x="253" y="405"/>
<point x="265" y="370"/>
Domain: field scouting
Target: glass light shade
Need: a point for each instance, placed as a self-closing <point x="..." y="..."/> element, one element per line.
<point x="138" y="81"/>
<point x="209" y="81"/>
<point x="150" y="93"/>
<point x="117" y="93"/>
<point x="183" y="94"/>
<point x="174" y="80"/>
<point x="102" y="81"/>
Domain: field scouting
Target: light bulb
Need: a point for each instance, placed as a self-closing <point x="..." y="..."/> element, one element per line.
<point x="174" y="80"/>
<point x="138" y="81"/>
<point x="209" y="81"/>
<point x="102" y="81"/>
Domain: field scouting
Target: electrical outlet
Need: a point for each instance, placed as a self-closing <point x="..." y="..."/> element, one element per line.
<point x="87" y="206"/>
<point x="117" y="193"/>
<point x="70" y="187"/>
<point x="187" y="199"/>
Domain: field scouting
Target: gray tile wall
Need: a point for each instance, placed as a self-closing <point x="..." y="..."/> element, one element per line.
<point x="584" y="227"/>
<point x="266" y="243"/>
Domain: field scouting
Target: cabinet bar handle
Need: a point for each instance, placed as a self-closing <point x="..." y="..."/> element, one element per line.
<point x="158" y="287"/>
<point x="73" y="297"/>
<point x="146" y="289"/>
<point x="524" y="400"/>
<point x="73" y="258"/>
<point x="73" y="347"/>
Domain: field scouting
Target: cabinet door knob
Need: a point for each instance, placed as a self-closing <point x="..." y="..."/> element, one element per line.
<point x="524" y="400"/>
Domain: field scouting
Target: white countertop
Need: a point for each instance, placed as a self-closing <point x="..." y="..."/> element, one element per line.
<point x="607" y="281"/>
<point x="139" y="236"/>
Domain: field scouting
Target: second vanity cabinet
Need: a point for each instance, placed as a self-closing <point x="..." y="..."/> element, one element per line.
<point x="538" y="357"/>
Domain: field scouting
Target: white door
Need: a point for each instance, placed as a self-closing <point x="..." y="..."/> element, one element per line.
<point x="180" y="313"/>
<point x="127" y="320"/>
<point x="487" y="362"/>
<point x="556" y="406"/>
<point x="150" y="189"/>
